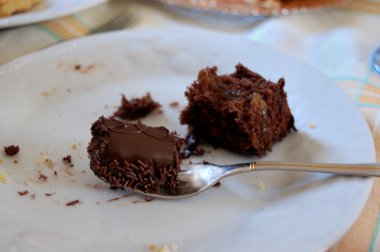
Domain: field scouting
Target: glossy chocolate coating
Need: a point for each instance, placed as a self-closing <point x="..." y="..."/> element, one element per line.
<point x="134" y="142"/>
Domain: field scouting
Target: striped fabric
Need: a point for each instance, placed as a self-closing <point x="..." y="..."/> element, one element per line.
<point x="294" y="35"/>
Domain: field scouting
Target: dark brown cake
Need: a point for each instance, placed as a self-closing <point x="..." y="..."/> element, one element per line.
<point x="241" y="112"/>
<point x="11" y="150"/>
<point x="134" y="155"/>
<point x="136" y="108"/>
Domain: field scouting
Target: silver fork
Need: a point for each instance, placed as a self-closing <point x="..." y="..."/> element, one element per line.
<point x="121" y="21"/>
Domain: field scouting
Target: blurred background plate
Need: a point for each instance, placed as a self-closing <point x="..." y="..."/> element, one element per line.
<point x="254" y="7"/>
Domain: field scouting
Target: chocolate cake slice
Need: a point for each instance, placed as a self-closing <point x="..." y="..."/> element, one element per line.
<point x="241" y="112"/>
<point x="134" y="155"/>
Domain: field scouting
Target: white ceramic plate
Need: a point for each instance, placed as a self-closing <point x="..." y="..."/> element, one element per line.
<point x="46" y="10"/>
<point x="49" y="100"/>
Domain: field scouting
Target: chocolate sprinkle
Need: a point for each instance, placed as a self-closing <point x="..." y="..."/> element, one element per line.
<point x="134" y="155"/>
<point x="23" y="193"/>
<point x="73" y="203"/>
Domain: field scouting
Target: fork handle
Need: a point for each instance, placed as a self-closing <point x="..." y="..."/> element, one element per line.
<point x="368" y="169"/>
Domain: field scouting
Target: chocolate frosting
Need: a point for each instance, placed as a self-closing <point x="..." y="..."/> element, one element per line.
<point x="136" y="141"/>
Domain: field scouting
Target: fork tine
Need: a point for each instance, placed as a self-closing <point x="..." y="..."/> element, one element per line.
<point x="125" y="19"/>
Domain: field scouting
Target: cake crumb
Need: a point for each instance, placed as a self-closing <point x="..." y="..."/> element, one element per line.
<point x="73" y="203"/>
<point x="11" y="150"/>
<point x="148" y="199"/>
<point x="74" y="146"/>
<point x="67" y="159"/>
<point x="45" y="93"/>
<point x="3" y="178"/>
<point x="312" y="125"/>
<point x="42" y="177"/>
<point x="1" y="161"/>
<point x="84" y="69"/>
<point x="15" y="161"/>
<point x="165" y="248"/>
<point x="23" y="193"/>
<point x="261" y="186"/>
<point x="49" y="194"/>
<point x="49" y="163"/>
<point x="217" y="184"/>
<point x="135" y="108"/>
<point x="33" y="196"/>
<point x="174" y="104"/>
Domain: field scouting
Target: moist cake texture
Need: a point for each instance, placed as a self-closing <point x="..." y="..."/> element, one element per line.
<point x="241" y="112"/>
<point x="134" y="155"/>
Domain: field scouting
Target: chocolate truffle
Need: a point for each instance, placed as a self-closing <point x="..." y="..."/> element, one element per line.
<point x="134" y="155"/>
<point x="241" y="112"/>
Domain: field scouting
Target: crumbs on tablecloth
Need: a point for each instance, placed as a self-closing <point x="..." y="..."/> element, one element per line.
<point x="11" y="150"/>
<point x="23" y="193"/>
<point x="73" y="203"/>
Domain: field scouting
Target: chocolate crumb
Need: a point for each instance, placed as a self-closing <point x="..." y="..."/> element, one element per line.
<point x="73" y="203"/>
<point x="218" y="184"/>
<point x="55" y="173"/>
<point x="23" y="193"/>
<point x="135" y="108"/>
<point x="15" y="161"/>
<point x="148" y="199"/>
<point x="117" y="198"/>
<point x="78" y="67"/>
<point x="49" y="194"/>
<point x="174" y="104"/>
<point x="49" y="163"/>
<point x="67" y="159"/>
<point x="33" y="196"/>
<point x="42" y="177"/>
<point x="11" y="150"/>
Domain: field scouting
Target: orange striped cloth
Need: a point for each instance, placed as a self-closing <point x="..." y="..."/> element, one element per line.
<point x="337" y="43"/>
